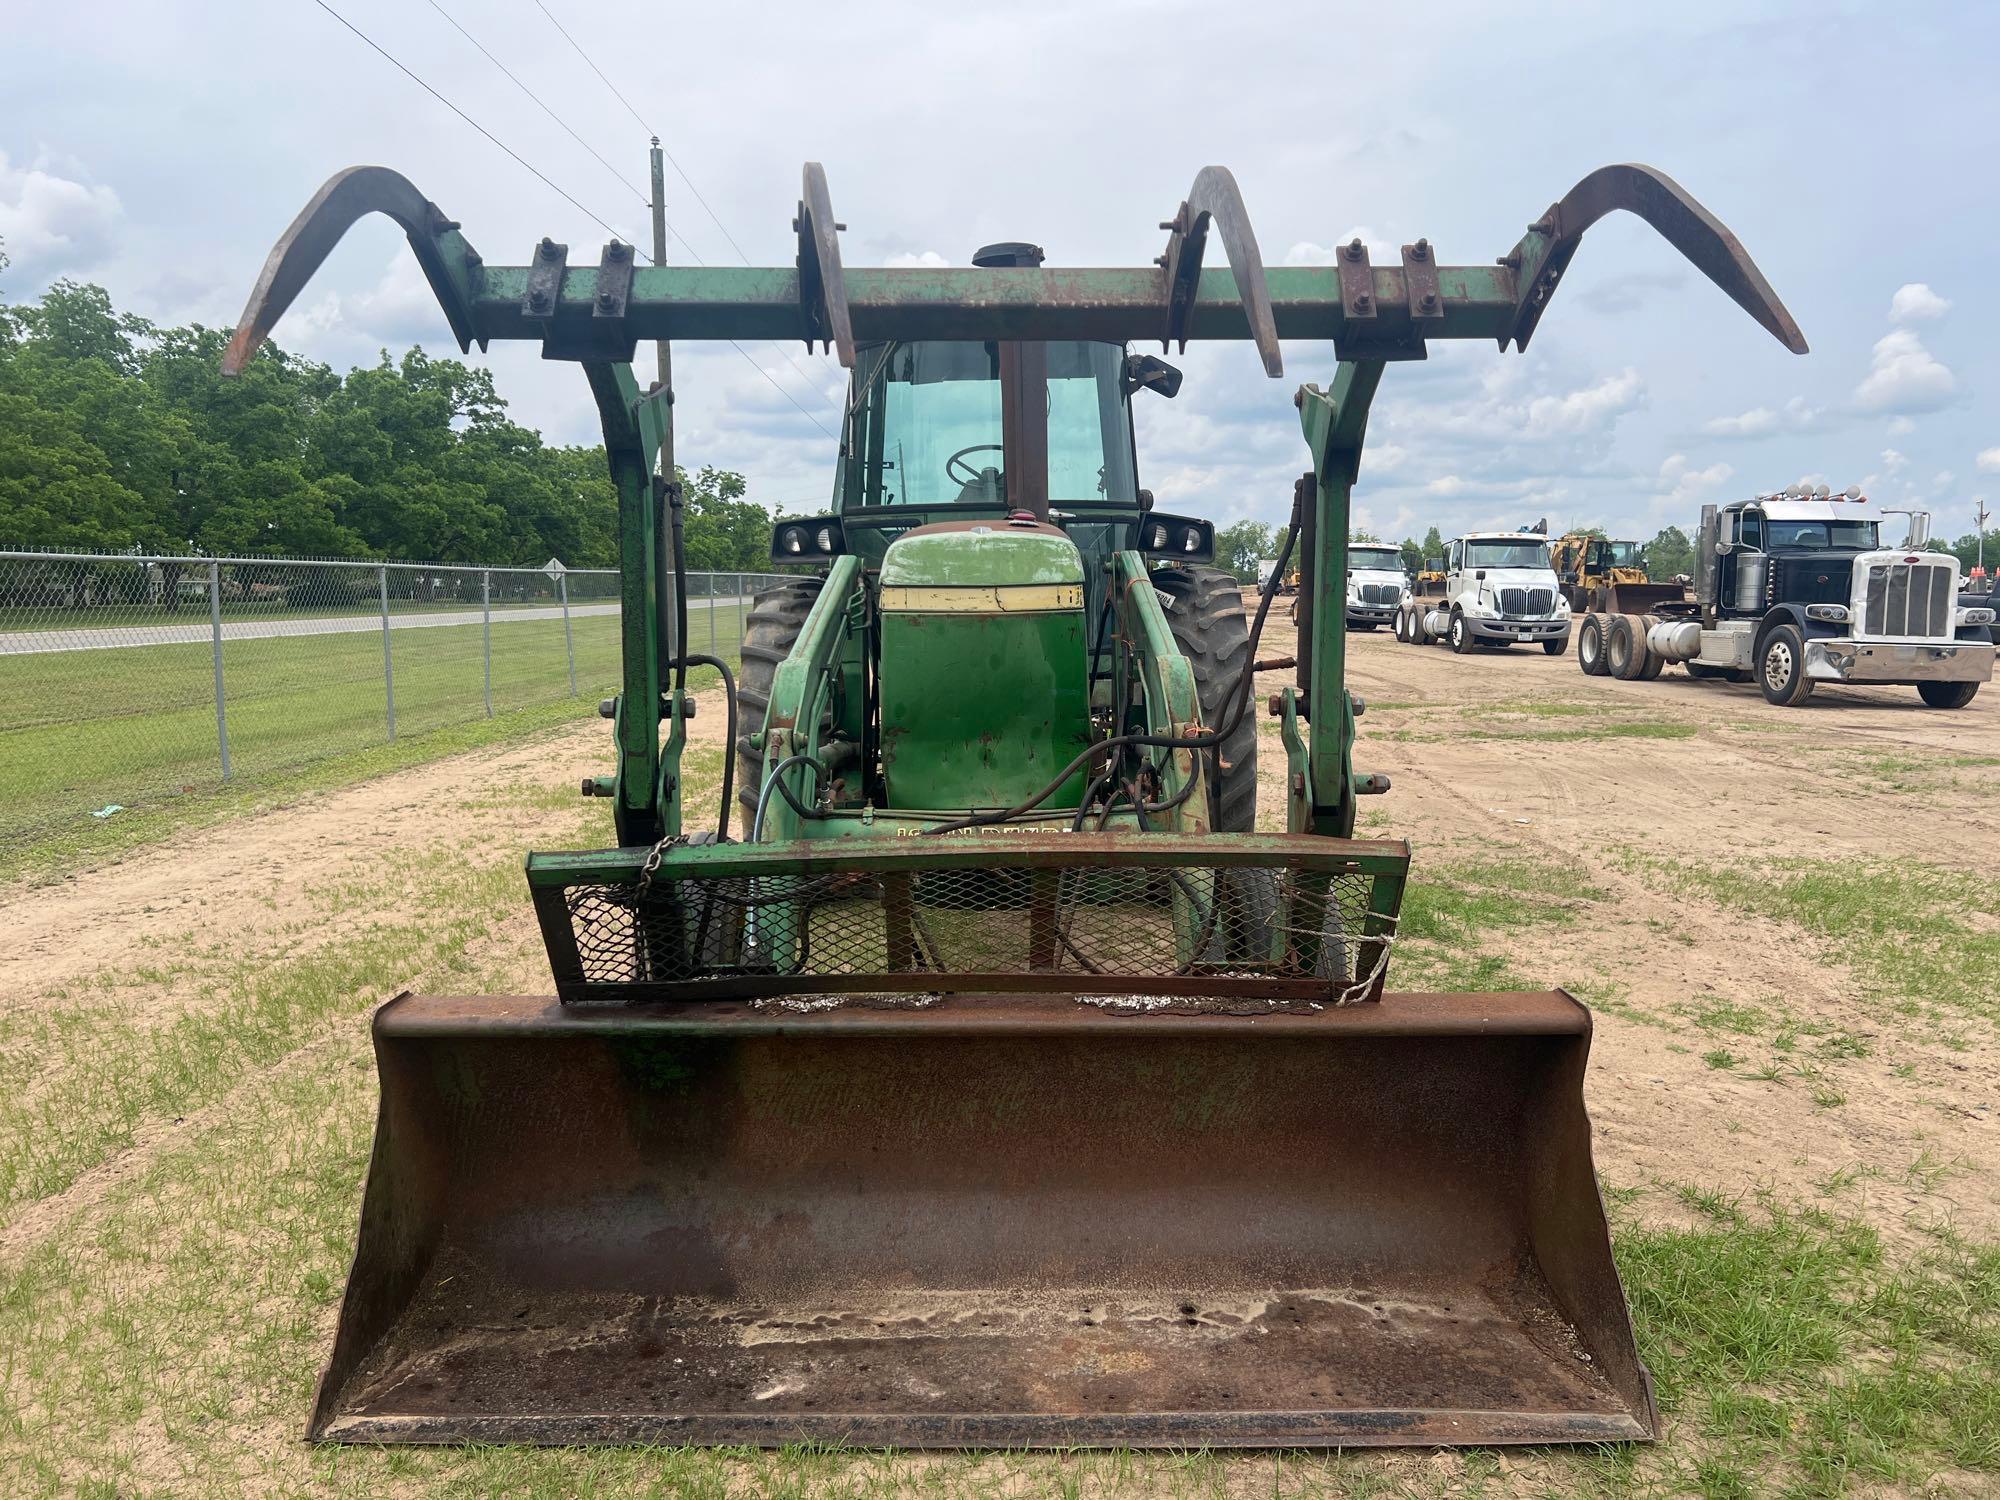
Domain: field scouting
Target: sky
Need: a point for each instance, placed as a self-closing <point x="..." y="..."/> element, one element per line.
<point x="158" y="149"/>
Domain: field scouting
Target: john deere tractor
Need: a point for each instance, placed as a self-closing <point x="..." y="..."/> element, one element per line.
<point x="1000" y="1085"/>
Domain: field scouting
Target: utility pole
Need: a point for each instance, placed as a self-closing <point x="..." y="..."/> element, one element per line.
<point x="1980" y="528"/>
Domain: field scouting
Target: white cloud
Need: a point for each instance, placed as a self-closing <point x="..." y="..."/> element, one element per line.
<point x="1944" y="479"/>
<point x="53" y="220"/>
<point x="1445" y="485"/>
<point x="928" y="260"/>
<point x="1904" y="377"/>
<point x="1893" y="462"/>
<point x="1682" y="483"/>
<point x="1762" y="421"/>
<point x="1988" y="461"/>
<point x="1388" y="458"/>
<point x="1901" y="427"/>
<point x="1915" y="302"/>
<point x="1587" y="410"/>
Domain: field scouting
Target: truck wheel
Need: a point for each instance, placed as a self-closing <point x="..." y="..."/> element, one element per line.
<point x="1590" y="646"/>
<point x="1205" y="613"/>
<point x="776" y="618"/>
<point x="1460" y="635"/>
<point x="1946" y="694"/>
<point x="1654" y="661"/>
<point x="1555" y="645"/>
<point x="1781" y="667"/>
<point x="1624" y="649"/>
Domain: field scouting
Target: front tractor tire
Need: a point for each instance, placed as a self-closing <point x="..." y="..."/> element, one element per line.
<point x="1459" y="634"/>
<point x="1781" y="667"/>
<point x="1205" y="613"/>
<point x="777" y="616"/>
<point x="1947" y="694"/>
<point x="1555" y="646"/>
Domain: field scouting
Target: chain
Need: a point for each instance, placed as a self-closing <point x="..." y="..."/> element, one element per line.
<point x="651" y="866"/>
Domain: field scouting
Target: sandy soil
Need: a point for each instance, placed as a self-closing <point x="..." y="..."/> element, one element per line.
<point x="1751" y="784"/>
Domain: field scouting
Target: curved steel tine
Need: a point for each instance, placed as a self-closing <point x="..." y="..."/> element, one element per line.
<point x="822" y="281"/>
<point x="1691" y="229"/>
<point x="347" y="196"/>
<point x="1216" y="195"/>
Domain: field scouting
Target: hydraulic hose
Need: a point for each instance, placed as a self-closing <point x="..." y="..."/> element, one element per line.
<point x="777" y="780"/>
<point x="729" y="753"/>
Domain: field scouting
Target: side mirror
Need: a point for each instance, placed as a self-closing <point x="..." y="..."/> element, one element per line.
<point x="1480" y="574"/>
<point x="1149" y="372"/>
<point x="1920" y="530"/>
<point x="1145" y="501"/>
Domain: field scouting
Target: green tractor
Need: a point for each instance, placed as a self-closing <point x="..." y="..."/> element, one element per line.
<point x="1002" y="1085"/>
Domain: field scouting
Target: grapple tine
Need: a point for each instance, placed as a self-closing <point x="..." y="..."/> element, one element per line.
<point x="348" y="196"/>
<point x="1215" y="201"/>
<point x="1705" y="240"/>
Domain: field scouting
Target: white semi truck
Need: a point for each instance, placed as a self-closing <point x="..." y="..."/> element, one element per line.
<point x="1796" y="588"/>
<point x="1500" y="587"/>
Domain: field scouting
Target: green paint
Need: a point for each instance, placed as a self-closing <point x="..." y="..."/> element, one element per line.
<point x="982" y="706"/>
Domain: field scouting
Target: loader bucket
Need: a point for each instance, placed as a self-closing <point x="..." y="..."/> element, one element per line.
<point x="992" y="1220"/>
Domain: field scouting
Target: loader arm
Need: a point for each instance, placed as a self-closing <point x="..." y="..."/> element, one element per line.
<point x="1371" y="315"/>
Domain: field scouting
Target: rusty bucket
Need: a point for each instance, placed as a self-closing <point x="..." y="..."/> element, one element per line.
<point x="990" y="1221"/>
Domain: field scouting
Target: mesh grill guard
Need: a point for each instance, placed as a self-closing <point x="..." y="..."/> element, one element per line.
<point x="1271" y="922"/>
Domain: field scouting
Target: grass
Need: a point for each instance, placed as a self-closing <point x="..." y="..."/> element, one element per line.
<point x="1451" y="914"/>
<point x="1919" y="934"/>
<point x="1610" y="729"/>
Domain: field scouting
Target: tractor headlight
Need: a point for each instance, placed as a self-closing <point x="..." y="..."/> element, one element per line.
<point x="1180" y="538"/>
<point x="811" y="540"/>
<point x="1828" y="614"/>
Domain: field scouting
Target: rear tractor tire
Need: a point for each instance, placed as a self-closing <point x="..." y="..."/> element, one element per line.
<point x="1624" y="649"/>
<point x="1590" y="646"/>
<point x="776" y="617"/>
<point x="1205" y="613"/>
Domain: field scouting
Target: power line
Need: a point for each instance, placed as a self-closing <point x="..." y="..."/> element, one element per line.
<point x="540" y="175"/>
<point x="547" y="181"/>
<point x="622" y="182"/>
<point x="681" y="172"/>
<point x="595" y="69"/>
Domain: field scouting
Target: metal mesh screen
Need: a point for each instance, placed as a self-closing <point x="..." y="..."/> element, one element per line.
<point x="1143" y="936"/>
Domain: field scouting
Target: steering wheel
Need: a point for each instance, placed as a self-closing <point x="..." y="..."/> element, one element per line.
<point x="972" y="475"/>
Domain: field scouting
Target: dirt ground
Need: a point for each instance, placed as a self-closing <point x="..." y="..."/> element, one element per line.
<point x="1746" y="783"/>
<point x="1640" y="795"/>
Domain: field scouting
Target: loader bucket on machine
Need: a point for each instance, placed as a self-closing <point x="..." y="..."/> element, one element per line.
<point x="1108" y="1208"/>
<point x="880" y="1128"/>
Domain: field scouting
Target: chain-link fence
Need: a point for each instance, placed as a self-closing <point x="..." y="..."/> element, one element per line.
<point x="126" y="680"/>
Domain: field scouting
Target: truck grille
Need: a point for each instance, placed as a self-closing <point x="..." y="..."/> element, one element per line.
<point x="1527" y="601"/>
<point x="1378" y="593"/>
<point x="1908" y="599"/>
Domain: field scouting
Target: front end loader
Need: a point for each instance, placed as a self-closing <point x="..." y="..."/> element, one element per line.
<point x="1001" y="1085"/>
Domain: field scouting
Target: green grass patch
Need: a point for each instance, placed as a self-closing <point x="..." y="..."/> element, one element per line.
<point x="1808" y="1357"/>
<point x="1916" y="933"/>
<point x="1449" y="915"/>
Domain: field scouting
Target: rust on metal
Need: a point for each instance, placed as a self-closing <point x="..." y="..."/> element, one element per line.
<point x="1000" y="1223"/>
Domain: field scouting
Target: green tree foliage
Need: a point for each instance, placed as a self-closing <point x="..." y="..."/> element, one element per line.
<point x="118" y="436"/>
<point x="1669" y="555"/>
<point x="1239" y="548"/>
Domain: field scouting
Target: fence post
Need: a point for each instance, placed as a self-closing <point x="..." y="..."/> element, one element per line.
<point x="569" y="641"/>
<point x="486" y="631"/>
<point x="215" y="638"/>
<point x="388" y="656"/>
<point x="739" y="615"/>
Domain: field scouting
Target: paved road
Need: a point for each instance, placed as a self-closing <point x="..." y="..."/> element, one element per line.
<point x="40" y="642"/>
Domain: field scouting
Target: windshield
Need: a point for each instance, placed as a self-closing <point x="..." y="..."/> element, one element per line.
<point x="1859" y="535"/>
<point x="1379" y="558"/>
<point x="928" y="430"/>
<point x="1527" y="552"/>
<point x="1618" y="554"/>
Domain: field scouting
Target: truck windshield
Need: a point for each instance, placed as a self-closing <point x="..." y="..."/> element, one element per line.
<point x="1859" y="535"/>
<point x="928" y="427"/>
<point x="1493" y="552"/>
<point x="1379" y="558"/>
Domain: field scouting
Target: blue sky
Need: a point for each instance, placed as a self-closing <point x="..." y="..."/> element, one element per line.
<point x="159" y="149"/>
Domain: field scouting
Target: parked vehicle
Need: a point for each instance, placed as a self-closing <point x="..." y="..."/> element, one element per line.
<point x="1376" y="584"/>
<point x="1499" y="588"/>
<point x="1795" y="588"/>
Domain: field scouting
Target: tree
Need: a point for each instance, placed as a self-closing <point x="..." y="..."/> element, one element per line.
<point x="1239" y="548"/>
<point x="1669" y="554"/>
